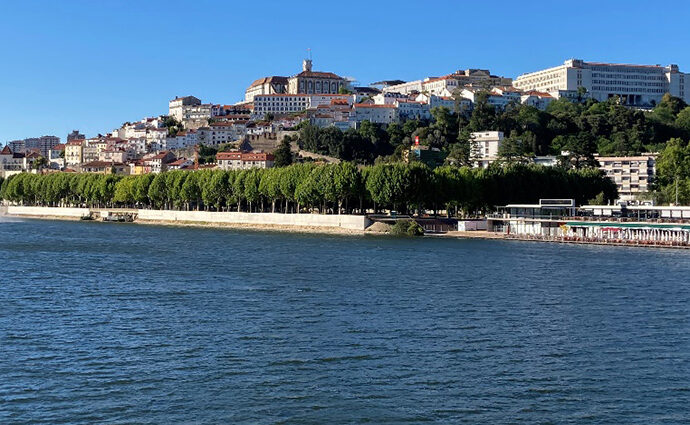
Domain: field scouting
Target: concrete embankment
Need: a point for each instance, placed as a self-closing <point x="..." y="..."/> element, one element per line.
<point x="298" y="222"/>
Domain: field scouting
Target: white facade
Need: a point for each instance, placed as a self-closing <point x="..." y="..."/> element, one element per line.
<point x="219" y="133"/>
<point x="410" y="110"/>
<point x="539" y="100"/>
<point x="405" y="88"/>
<point x="283" y="104"/>
<point x="485" y="145"/>
<point x="378" y="114"/>
<point x="635" y="85"/>
<point x="633" y="175"/>
<point x="181" y="140"/>
<point x="499" y="101"/>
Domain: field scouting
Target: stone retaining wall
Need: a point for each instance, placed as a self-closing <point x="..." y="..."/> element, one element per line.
<point x="351" y="222"/>
<point x="47" y="212"/>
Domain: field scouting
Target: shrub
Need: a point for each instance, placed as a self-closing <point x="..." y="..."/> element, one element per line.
<point x="407" y="228"/>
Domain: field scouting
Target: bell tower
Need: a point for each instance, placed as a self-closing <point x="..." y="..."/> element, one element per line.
<point x="306" y="65"/>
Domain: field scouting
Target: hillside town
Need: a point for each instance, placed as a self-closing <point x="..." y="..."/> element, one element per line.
<point x="300" y="111"/>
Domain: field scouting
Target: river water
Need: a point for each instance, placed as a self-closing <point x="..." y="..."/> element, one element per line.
<point x="129" y="324"/>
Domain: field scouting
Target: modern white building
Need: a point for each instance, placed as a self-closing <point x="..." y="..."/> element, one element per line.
<point x="485" y="145"/>
<point x="635" y="85"/>
<point x="633" y="175"/>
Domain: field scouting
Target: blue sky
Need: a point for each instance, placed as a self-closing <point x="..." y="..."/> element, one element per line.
<point x="93" y="64"/>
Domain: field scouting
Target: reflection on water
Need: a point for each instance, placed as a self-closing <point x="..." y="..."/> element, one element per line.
<point x="135" y="324"/>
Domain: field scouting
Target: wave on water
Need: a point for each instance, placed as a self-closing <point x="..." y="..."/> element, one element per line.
<point x="7" y="219"/>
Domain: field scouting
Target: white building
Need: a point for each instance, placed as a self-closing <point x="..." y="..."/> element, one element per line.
<point x="389" y="98"/>
<point x="284" y="104"/>
<point x="190" y="111"/>
<point x="243" y="160"/>
<point x="378" y="114"/>
<point x="181" y="140"/>
<point x="266" y="85"/>
<point x="537" y="99"/>
<point x="405" y="88"/>
<point x="221" y="132"/>
<point x="635" y="85"/>
<point x="633" y="175"/>
<point x="411" y="110"/>
<point x="498" y="100"/>
<point x="485" y="145"/>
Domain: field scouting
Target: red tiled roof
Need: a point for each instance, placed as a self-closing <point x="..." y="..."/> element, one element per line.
<point x="6" y="150"/>
<point x="228" y="155"/>
<point x="101" y="164"/>
<point x="368" y="105"/>
<point x="249" y="156"/>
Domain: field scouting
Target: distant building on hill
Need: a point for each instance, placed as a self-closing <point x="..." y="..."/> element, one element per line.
<point x="75" y="135"/>
<point x="266" y="85"/>
<point x="244" y="160"/>
<point x="484" y="147"/>
<point x="43" y="144"/>
<point x="315" y="82"/>
<point x="635" y="85"/>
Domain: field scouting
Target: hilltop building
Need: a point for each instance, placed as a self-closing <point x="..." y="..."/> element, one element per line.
<point x="75" y="135"/>
<point x="447" y="84"/>
<point x="635" y="85"/>
<point x="315" y="82"/>
<point x="266" y="85"/>
<point x="190" y="111"/>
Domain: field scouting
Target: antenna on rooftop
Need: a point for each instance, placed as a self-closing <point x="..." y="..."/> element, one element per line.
<point x="309" y="53"/>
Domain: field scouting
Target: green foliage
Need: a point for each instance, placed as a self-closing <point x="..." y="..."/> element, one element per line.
<point x="407" y="228"/>
<point x="600" y="199"/>
<point x="172" y="124"/>
<point x="283" y="154"/>
<point x="335" y="188"/>
<point x="207" y="154"/>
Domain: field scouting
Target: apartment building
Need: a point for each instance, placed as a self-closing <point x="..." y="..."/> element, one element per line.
<point x="633" y="175"/>
<point x="74" y="151"/>
<point x="244" y="160"/>
<point x="485" y="145"/>
<point x="635" y="85"/>
<point x="41" y="144"/>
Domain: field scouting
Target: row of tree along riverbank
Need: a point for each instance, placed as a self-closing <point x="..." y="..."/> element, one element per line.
<point x="334" y="188"/>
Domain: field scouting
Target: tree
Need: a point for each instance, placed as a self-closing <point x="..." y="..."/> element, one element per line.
<point x="158" y="191"/>
<point x="283" y="154"/>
